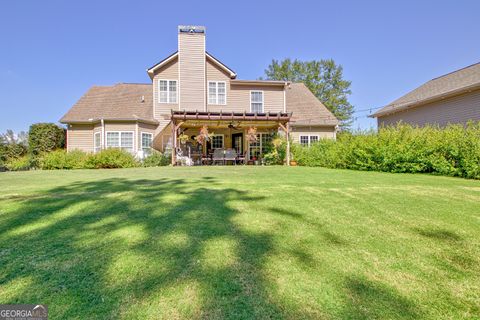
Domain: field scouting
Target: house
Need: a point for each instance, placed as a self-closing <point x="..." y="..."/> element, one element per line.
<point x="451" y="98"/>
<point x="188" y="90"/>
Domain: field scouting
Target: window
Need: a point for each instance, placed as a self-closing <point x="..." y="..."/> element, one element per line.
<point x="256" y="149"/>
<point x="217" y="141"/>
<point x="97" y="142"/>
<point x="167" y="91"/>
<point x="306" y="141"/>
<point x="147" y="139"/>
<point x="217" y="92"/>
<point x="256" y="101"/>
<point x="120" y="139"/>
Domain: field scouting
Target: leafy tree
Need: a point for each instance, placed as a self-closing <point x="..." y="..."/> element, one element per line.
<point x="12" y="146"/>
<point x="324" y="78"/>
<point x="45" y="137"/>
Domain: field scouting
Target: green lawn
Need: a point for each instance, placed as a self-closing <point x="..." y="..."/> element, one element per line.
<point x="240" y="242"/>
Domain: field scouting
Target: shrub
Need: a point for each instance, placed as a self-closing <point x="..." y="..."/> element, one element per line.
<point x="111" y="158"/>
<point x="60" y="159"/>
<point x="157" y="159"/>
<point x="12" y="151"/>
<point x="18" y="164"/>
<point x="452" y="151"/>
<point x="45" y="137"/>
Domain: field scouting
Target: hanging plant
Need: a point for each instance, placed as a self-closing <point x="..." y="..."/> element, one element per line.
<point x="183" y="138"/>
<point x="203" y="136"/>
<point x="252" y="135"/>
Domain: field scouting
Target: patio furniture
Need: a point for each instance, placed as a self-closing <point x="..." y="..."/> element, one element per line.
<point x="242" y="157"/>
<point x="218" y="155"/>
<point x="206" y="159"/>
<point x="231" y="155"/>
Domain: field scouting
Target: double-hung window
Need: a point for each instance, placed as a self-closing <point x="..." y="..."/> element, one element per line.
<point x="217" y="141"/>
<point x="167" y="91"/>
<point x="217" y="93"/>
<point x="307" y="141"/>
<point x="120" y="139"/>
<point x="256" y="101"/>
<point x="147" y="139"/>
<point x="97" y="142"/>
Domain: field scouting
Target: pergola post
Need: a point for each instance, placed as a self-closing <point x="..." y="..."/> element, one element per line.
<point x="287" y="133"/>
<point x="174" y="143"/>
<point x="286" y="128"/>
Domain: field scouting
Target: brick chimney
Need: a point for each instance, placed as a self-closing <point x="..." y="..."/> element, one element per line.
<point x="191" y="67"/>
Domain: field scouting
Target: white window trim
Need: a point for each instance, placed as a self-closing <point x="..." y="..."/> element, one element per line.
<point x="263" y="100"/>
<point x="223" y="139"/>
<point x="168" y="91"/>
<point x="141" y="139"/>
<point x="216" y="92"/>
<point x="309" y="138"/>
<point x="120" y="139"/>
<point x="94" y="140"/>
<point x="260" y="142"/>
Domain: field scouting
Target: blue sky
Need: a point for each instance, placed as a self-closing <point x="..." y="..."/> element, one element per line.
<point x="51" y="52"/>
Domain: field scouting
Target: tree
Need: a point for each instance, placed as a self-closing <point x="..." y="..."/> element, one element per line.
<point x="324" y="78"/>
<point x="45" y="137"/>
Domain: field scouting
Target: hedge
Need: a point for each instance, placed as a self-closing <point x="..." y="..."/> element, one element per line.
<point x="451" y="151"/>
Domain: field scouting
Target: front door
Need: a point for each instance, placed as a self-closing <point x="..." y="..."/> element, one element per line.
<point x="237" y="142"/>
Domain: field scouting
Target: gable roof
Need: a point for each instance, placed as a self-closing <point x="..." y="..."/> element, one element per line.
<point x="306" y="109"/>
<point x="122" y="101"/>
<point x="457" y="82"/>
<point x="152" y="69"/>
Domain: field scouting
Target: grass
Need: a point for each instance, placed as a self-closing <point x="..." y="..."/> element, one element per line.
<point x="240" y="243"/>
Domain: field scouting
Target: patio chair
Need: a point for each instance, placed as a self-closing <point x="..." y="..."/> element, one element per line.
<point x="242" y="158"/>
<point x="231" y="155"/>
<point x="218" y="156"/>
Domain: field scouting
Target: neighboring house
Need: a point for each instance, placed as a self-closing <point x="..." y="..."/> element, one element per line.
<point x="451" y="98"/>
<point x="189" y="89"/>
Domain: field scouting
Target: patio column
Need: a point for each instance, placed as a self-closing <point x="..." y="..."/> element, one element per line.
<point x="287" y="134"/>
<point x="174" y="143"/>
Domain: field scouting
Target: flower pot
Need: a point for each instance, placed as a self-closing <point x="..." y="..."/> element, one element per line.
<point x="293" y="163"/>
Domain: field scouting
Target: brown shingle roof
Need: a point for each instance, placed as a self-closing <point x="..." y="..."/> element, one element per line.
<point x="306" y="108"/>
<point x="447" y="85"/>
<point x="119" y="102"/>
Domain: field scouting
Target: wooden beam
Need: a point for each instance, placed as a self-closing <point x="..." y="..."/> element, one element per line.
<point x="287" y="133"/>
<point x="282" y="126"/>
<point x="179" y="124"/>
<point x="174" y="143"/>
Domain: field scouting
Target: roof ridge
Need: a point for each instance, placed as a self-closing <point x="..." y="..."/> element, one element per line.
<point x="474" y="64"/>
<point x="134" y="83"/>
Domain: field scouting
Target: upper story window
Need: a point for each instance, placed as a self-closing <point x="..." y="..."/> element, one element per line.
<point x="256" y="101"/>
<point x="217" y="93"/>
<point x="167" y="91"/>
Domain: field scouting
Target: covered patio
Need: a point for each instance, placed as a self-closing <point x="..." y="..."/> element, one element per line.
<point x="204" y="138"/>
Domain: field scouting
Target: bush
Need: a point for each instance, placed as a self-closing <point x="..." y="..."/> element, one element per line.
<point x="452" y="151"/>
<point x="18" y="164"/>
<point x="157" y="159"/>
<point x="111" y="158"/>
<point x="60" y="159"/>
<point x="12" y="151"/>
<point x="45" y="137"/>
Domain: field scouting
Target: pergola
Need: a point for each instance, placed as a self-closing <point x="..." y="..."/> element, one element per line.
<point x="222" y="119"/>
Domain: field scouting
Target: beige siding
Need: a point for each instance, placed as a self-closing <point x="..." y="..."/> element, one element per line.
<point x="162" y="111"/>
<point x="459" y="109"/>
<point x="238" y="98"/>
<point x="80" y="137"/>
<point x="321" y="132"/>
<point x="191" y="55"/>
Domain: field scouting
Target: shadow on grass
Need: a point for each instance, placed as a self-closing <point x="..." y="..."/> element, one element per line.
<point x="121" y="248"/>
<point x="374" y="300"/>
<point x="439" y="234"/>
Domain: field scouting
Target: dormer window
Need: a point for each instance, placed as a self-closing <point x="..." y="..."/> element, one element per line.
<point x="167" y="91"/>
<point x="217" y="93"/>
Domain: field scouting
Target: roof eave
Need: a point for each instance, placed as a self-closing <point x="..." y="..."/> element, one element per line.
<point x="438" y="97"/>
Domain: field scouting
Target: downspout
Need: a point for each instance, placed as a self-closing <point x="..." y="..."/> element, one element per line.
<point x="135" y="142"/>
<point x="103" y="133"/>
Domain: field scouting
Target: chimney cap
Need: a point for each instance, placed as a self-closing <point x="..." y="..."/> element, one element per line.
<point x="191" y="29"/>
